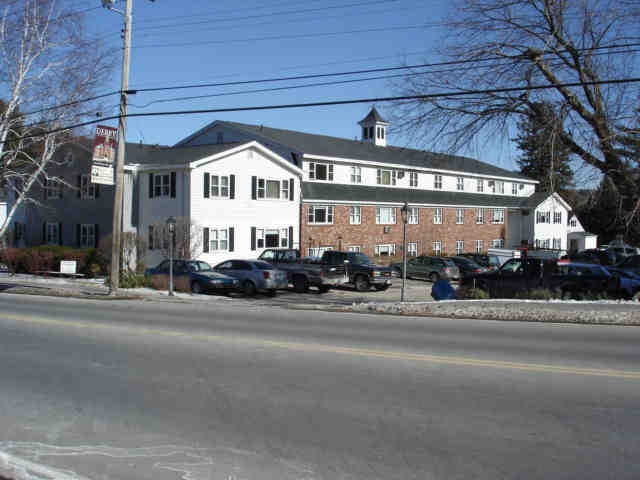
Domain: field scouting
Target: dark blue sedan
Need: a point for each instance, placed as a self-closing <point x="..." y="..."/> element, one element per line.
<point x="199" y="276"/>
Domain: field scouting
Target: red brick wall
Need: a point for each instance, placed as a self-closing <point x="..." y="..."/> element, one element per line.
<point x="367" y="235"/>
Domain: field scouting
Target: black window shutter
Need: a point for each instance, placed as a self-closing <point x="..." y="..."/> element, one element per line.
<point x="59" y="233"/>
<point x="291" y="189"/>
<point x="44" y="189"/>
<point x="205" y="240"/>
<point x="44" y="232"/>
<point x="206" y="188"/>
<point x="78" y="232"/>
<point x="232" y="187"/>
<point x="151" y="185"/>
<point x="150" y="237"/>
<point x="231" y="238"/>
<point x="254" y="189"/>
<point x="79" y="185"/>
<point x="96" y="231"/>
<point x="290" y="237"/>
<point x="173" y="184"/>
<point x="97" y="190"/>
<point x="253" y="236"/>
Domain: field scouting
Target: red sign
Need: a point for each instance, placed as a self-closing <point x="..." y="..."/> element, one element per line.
<point x="105" y="145"/>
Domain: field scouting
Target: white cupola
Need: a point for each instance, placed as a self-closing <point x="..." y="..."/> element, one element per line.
<point x="374" y="128"/>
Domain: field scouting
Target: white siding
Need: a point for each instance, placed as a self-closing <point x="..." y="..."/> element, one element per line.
<point x="243" y="212"/>
<point x="549" y="231"/>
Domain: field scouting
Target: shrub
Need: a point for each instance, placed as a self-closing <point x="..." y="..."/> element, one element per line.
<point x="90" y="262"/>
<point x="538" y="294"/>
<point x="180" y="283"/>
<point x="133" y="280"/>
<point x="470" y="293"/>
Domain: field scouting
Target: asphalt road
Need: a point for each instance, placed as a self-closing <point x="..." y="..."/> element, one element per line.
<point x="152" y="390"/>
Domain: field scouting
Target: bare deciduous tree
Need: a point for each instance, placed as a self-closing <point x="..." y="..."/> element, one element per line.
<point x="46" y="59"/>
<point x="188" y="239"/>
<point x="510" y="43"/>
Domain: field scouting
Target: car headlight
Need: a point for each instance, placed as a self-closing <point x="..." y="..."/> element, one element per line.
<point x="377" y="273"/>
<point x="215" y="281"/>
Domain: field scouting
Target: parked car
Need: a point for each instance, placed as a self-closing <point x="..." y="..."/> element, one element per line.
<point x="254" y="276"/>
<point x="305" y="272"/>
<point x="360" y="271"/>
<point x="629" y="282"/>
<point x="630" y="264"/>
<point x="593" y="255"/>
<point x="466" y="266"/>
<point x="490" y="262"/>
<point x="430" y="268"/>
<point x="199" y="275"/>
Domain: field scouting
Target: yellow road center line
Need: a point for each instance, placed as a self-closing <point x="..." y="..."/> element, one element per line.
<point x="324" y="348"/>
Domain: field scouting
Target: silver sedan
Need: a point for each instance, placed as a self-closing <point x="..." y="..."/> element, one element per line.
<point x="254" y="276"/>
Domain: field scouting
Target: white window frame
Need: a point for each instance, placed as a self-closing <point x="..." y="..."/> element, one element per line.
<point x="459" y="216"/>
<point x="311" y="214"/>
<point x="497" y="243"/>
<point x="557" y="218"/>
<point x="161" y="185"/>
<point x="459" y="247"/>
<point x="543" y="217"/>
<point x="393" y="175"/>
<point x="353" y="248"/>
<point x="261" y="189"/>
<point x="87" y="189"/>
<point x="412" y="249"/>
<point x="514" y="189"/>
<point x="438" y="214"/>
<point x="355" y="215"/>
<point x="389" y="248"/>
<point x="479" y="216"/>
<point x="220" y="185"/>
<point x="573" y="223"/>
<point x="500" y="186"/>
<point x="460" y="184"/>
<point x="480" y="185"/>
<point x="284" y="192"/>
<point x="356" y="174"/>
<point x="218" y="240"/>
<point x="413" y="179"/>
<point x="557" y="243"/>
<point x="313" y="171"/>
<point x="498" y="216"/>
<point x="53" y="233"/>
<point x="87" y="235"/>
<point x="437" y="182"/>
<point x="318" y="251"/>
<point x="390" y="218"/>
<point x="283" y="238"/>
<point x="479" y="246"/>
<point x="436" y="248"/>
<point x="413" y="216"/>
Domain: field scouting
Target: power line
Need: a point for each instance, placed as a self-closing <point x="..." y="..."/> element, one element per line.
<point x="426" y="96"/>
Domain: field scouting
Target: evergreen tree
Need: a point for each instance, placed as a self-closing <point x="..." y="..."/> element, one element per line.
<point x="545" y="157"/>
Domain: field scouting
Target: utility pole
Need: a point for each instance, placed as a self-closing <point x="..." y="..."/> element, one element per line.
<point x="122" y="124"/>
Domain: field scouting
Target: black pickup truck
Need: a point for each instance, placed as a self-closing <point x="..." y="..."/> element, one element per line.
<point x="305" y="272"/>
<point x="360" y="271"/>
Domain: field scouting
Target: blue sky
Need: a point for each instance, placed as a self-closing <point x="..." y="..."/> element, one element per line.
<point x="234" y="41"/>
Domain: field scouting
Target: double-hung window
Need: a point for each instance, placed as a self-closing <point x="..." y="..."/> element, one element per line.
<point x="459" y="216"/>
<point x="557" y="217"/>
<point x="413" y="179"/>
<point x="320" y="214"/>
<point x="500" y="186"/>
<point x="543" y="217"/>
<point x="573" y="223"/>
<point x="437" y="216"/>
<point x="386" y="250"/>
<point x="87" y="189"/>
<point x="514" y="189"/>
<point x="161" y="185"/>
<point x="460" y="183"/>
<point x="479" y="246"/>
<point x="272" y="189"/>
<point x="412" y="249"/>
<point x="355" y="215"/>
<point x="557" y="243"/>
<point x="356" y="174"/>
<point x="53" y="189"/>
<point x="413" y="216"/>
<point x="386" y="177"/>
<point x="437" y="182"/>
<point x="436" y="248"/>
<point x="479" y="216"/>
<point x="459" y="247"/>
<point x="353" y="248"/>
<point x="87" y="235"/>
<point x="479" y="185"/>
<point x="497" y="243"/>
<point x="385" y="215"/>
<point x="52" y="233"/>
<point x="321" y="171"/>
<point x="498" y="215"/>
<point x="218" y="239"/>
<point x="220" y="186"/>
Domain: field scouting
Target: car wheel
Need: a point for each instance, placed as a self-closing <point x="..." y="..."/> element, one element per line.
<point x="362" y="283"/>
<point x="249" y="288"/>
<point x="323" y="289"/>
<point x="381" y="288"/>
<point x="300" y="284"/>
<point x="196" y="288"/>
<point x="434" y="277"/>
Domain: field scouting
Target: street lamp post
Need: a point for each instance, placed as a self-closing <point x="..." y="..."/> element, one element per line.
<point x="171" y="226"/>
<point x="405" y="212"/>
